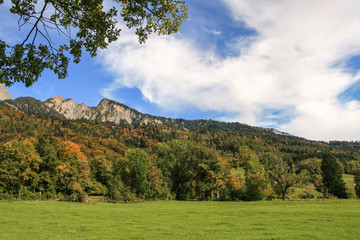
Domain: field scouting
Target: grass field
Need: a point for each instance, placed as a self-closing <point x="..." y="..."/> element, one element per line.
<point x="181" y="220"/>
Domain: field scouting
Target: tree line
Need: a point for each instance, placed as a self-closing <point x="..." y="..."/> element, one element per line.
<point x="42" y="158"/>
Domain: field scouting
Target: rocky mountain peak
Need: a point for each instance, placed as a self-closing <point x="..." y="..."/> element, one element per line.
<point x="106" y="110"/>
<point x="70" y="100"/>
<point x="66" y="107"/>
<point x="4" y="93"/>
<point x="105" y="101"/>
<point x="58" y="98"/>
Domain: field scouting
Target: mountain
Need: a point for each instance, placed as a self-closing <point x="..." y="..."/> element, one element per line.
<point x="64" y="150"/>
<point x="111" y="111"/>
<point x="106" y="110"/>
<point x="31" y="105"/>
<point x="4" y="93"/>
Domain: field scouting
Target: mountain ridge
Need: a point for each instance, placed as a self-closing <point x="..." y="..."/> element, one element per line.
<point x="112" y="111"/>
<point x="106" y="110"/>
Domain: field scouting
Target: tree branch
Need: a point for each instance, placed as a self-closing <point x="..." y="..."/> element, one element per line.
<point x="36" y="23"/>
<point x="147" y="8"/>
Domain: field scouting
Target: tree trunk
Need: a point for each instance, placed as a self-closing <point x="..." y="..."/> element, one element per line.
<point x="284" y="193"/>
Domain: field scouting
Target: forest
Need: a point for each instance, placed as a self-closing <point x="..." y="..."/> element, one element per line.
<point x="44" y="157"/>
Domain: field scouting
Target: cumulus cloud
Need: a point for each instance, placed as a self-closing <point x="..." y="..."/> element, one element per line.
<point x="290" y="75"/>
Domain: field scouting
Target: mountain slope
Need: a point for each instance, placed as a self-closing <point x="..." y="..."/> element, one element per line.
<point x="106" y="110"/>
<point x="31" y="105"/>
<point x="111" y="111"/>
<point x="104" y="148"/>
<point x="4" y="93"/>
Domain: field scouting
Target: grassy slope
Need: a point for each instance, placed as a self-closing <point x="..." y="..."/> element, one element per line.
<point x="180" y="220"/>
<point x="350" y="184"/>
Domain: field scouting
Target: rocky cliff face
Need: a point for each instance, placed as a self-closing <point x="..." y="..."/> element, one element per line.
<point x="4" y="93"/>
<point x="106" y="110"/>
<point x="59" y="108"/>
<point x="68" y="107"/>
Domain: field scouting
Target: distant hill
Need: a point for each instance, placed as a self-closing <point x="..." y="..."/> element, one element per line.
<point x="58" y="108"/>
<point x="111" y="111"/>
<point x="59" y="149"/>
<point x="31" y="105"/>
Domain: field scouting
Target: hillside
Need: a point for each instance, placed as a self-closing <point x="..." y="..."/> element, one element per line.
<point x="77" y="159"/>
<point x="64" y="150"/>
<point x="111" y="111"/>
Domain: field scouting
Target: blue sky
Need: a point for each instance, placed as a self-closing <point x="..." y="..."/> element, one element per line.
<point x="291" y="65"/>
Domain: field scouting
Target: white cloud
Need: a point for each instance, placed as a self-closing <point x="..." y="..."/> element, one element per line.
<point x="288" y="67"/>
<point x="213" y="31"/>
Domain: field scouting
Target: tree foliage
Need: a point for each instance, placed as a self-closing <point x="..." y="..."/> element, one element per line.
<point x="31" y="169"/>
<point x="83" y="25"/>
<point x="43" y="157"/>
<point x="139" y="162"/>
<point x="283" y="176"/>
<point x="256" y="178"/>
<point x="192" y="171"/>
<point x="357" y="182"/>
<point x="332" y="177"/>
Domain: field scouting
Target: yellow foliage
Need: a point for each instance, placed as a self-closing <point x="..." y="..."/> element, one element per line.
<point x="234" y="181"/>
<point x="74" y="149"/>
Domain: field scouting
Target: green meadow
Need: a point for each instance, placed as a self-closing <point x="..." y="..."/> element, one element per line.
<point x="332" y="219"/>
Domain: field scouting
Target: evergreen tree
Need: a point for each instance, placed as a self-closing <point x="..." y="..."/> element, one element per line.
<point x="331" y="172"/>
<point x="357" y="182"/>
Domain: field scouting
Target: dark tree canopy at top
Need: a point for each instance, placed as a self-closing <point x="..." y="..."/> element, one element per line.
<point x="83" y="24"/>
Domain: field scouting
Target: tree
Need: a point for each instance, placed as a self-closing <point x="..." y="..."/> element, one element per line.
<point x="84" y="24"/>
<point x="63" y="170"/>
<point x="101" y="169"/>
<point x="177" y="166"/>
<point x="19" y="165"/>
<point x="283" y="176"/>
<point x="255" y="176"/>
<point x="331" y="172"/>
<point x="192" y="171"/>
<point x="313" y="168"/>
<point x="357" y="182"/>
<point x="139" y="161"/>
<point x="166" y="161"/>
